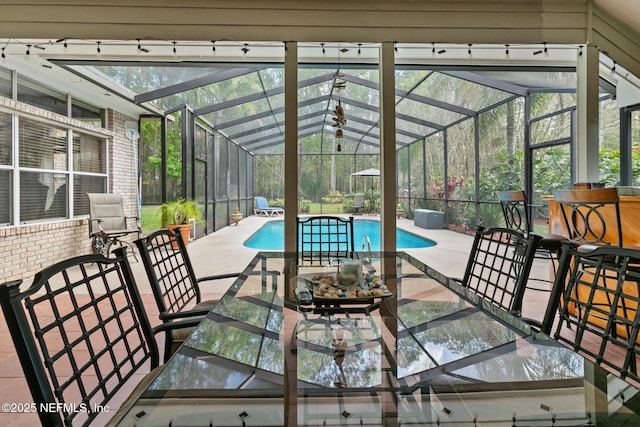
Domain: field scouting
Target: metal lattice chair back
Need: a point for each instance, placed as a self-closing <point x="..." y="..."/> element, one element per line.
<point x="173" y="281"/>
<point x="499" y="265"/>
<point x="324" y="239"/>
<point x="175" y="287"/>
<point x="80" y="332"/>
<point x="606" y="330"/>
<point x="591" y="216"/>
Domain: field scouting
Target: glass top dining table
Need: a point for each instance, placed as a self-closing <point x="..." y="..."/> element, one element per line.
<point x="425" y="352"/>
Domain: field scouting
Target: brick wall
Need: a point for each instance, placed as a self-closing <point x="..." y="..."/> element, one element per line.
<point x="123" y="163"/>
<point x="26" y="249"/>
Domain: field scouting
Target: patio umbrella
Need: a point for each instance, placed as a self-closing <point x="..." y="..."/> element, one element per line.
<point x="368" y="172"/>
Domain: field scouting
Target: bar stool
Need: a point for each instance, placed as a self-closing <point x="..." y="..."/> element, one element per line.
<point x="591" y="217"/>
<point x="592" y="220"/>
<point x="516" y="217"/>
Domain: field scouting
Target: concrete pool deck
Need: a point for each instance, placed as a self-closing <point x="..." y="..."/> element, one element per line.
<point x="223" y="251"/>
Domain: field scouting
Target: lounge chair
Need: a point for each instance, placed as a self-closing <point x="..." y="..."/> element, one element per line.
<point x="263" y="208"/>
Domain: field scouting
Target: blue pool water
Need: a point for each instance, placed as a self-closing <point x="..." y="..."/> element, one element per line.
<point x="270" y="237"/>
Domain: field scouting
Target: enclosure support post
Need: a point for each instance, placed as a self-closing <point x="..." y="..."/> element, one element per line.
<point x="387" y="147"/>
<point x="587" y="141"/>
<point x="290" y="145"/>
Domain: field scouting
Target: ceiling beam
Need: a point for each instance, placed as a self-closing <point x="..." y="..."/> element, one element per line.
<point x="212" y="78"/>
<point x="256" y="96"/>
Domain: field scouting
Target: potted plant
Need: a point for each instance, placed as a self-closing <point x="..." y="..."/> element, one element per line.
<point x="399" y="210"/>
<point x="236" y="216"/>
<point x="178" y="214"/>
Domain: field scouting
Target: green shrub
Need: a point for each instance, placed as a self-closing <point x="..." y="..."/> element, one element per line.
<point x="332" y="197"/>
<point x="304" y="205"/>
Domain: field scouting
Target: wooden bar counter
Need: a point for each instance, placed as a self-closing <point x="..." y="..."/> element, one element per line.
<point x="629" y="219"/>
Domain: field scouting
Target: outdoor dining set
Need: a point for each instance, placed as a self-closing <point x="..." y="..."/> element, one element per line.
<point x="333" y="336"/>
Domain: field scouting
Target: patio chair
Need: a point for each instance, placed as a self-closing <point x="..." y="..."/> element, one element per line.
<point x="498" y="267"/>
<point x="515" y="210"/>
<point x="592" y="219"/>
<point x="108" y="224"/>
<point x="263" y="208"/>
<point x="585" y="216"/>
<point x="358" y="202"/>
<point x="324" y="239"/>
<point x="174" y="284"/>
<point x="605" y="332"/>
<point x="80" y="332"/>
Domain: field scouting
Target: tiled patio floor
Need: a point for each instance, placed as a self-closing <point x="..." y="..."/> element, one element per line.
<point x="222" y="252"/>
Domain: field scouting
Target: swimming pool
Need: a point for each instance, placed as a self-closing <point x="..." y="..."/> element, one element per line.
<point x="270" y="237"/>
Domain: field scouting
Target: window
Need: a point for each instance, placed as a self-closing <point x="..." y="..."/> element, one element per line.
<point x="45" y="173"/>
<point x="33" y="93"/>
<point x="6" y="207"/>
<point x="90" y="168"/>
<point x="5" y="139"/>
<point x="86" y="113"/>
<point x="5" y="83"/>
<point x="89" y="154"/>
<point x="43" y="150"/>
<point x="83" y="184"/>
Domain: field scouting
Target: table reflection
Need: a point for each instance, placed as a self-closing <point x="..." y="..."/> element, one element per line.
<point x="430" y="355"/>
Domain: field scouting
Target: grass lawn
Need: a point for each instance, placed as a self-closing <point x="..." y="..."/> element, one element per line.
<point x="317" y="208"/>
<point x="149" y="219"/>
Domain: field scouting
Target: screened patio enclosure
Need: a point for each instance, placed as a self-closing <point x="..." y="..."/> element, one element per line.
<point x="470" y="120"/>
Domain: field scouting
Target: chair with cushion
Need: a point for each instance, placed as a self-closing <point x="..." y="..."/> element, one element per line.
<point x="263" y="208"/>
<point x="358" y="202"/>
<point x="108" y="223"/>
<point x="498" y="266"/>
<point x="516" y="213"/>
<point x="606" y="332"/>
<point x="174" y="284"/>
<point x="80" y="332"/>
<point x="324" y="239"/>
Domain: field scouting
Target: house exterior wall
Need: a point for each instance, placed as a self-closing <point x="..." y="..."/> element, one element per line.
<point x="26" y="249"/>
